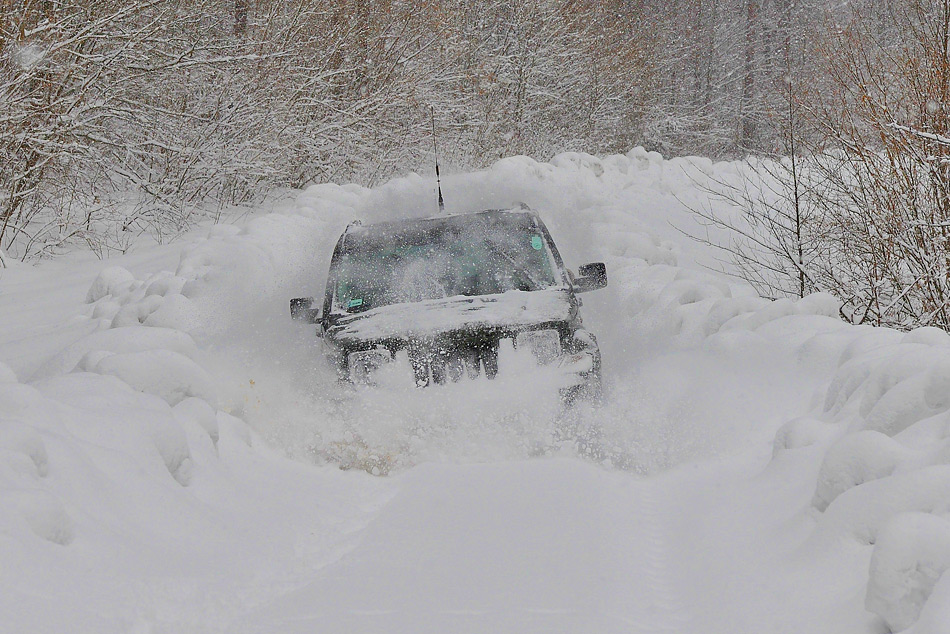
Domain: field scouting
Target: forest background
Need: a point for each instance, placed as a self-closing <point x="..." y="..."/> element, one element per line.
<point x="127" y="117"/>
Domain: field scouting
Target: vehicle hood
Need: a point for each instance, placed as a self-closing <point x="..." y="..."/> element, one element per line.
<point x="511" y="310"/>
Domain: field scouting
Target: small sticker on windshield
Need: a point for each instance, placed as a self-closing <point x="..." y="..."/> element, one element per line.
<point x="536" y="243"/>
<point x="355" y="302"/>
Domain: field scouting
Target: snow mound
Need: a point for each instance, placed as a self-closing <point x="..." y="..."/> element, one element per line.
<point x="165" y="373"/>
<point x="867" y="339"/>
<point x="912" y="399"/>
<point x="136" y="313"/>
<point x="799" y="433"/>
<point x="165" y="283"/>
<point x="18" y="438"/>
<point x="856" y="459"/>
<point x="890" y="386"/>
<point x="119" y="340"/>
<point x="884" y="475"/>
<point x="133" y="302"/>
<point x="17" y="397"/>
<point x="175" y="312"/>
<point x="911" y="555"/>
<point x="199" y="412"/>
<point x="694" y="306"/>
<point x="935" y="613"/>
<point x="112" y="280"/>
<point x="927" y="335"/>
<point x="7" y="375"/>
<point x="859" y="513"/>
<point x="40" y="511"/>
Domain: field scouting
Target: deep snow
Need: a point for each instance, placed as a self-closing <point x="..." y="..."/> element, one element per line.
<point x="171" y="443"/>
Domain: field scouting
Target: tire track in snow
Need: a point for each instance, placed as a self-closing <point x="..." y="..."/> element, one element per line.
<point x="650" y="601"/>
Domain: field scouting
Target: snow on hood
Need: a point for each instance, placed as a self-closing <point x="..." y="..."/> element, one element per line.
<point x="510" y="309"/>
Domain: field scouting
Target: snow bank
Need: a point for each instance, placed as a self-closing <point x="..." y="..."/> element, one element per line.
<point x="115" y="421"/>
<point x="42" y="513"/>
<point x="883" y="483"/>
<point x="18" y="440"/>
<point x="167" y="374"/>
<point x="856" y="459"/>
<point x="7" y="375"/>
<point x="859" y="513"/>
<point x="51" y="438"/>
<point x="111" y="281"/>
<point x="197" y="411"/>
<point x="799" y="433"/>
<point x="935" y="613"/>
<point x="911" y="555"/>
<point x="126" y="339"/>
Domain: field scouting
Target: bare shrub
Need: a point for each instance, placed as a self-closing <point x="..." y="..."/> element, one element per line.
<point x="882" y="164"/>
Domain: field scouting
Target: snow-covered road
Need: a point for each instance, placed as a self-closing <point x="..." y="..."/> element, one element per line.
<point x="170" y="445"/>
<point x="515" y="546"/>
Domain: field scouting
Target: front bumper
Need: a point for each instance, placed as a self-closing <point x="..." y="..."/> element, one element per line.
<point x="571" y="357"/>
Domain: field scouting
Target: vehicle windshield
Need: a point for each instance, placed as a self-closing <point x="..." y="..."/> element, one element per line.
<point x="482" y="254"/>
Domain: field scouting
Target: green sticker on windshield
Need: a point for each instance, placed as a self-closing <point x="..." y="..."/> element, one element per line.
<point x="355" y="302"/>
<point x="536" y="243"/>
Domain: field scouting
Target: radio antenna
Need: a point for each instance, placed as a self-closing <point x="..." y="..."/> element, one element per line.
<point x="435" y="147"/>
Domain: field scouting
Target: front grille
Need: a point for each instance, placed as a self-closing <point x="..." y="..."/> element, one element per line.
<point x="449" y="359"/>
<point x="449" y="356"/>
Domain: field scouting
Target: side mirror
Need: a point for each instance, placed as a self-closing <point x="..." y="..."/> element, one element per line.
<point x="300" y="309"/>
<point x="591" y="277"/>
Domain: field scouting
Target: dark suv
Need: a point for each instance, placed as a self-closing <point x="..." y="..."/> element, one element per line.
<point x="449" y="290"/>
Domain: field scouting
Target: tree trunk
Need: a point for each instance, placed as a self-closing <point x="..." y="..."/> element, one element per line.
<point x="240" y="17"/>
<point x="746" y="117"/>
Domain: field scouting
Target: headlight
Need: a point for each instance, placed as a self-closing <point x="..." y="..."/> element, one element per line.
<point x="583" y="340"/>
<point x="545" y="345"/>
<point x="580" y="363"/>
<point x="365" y="362"/>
